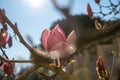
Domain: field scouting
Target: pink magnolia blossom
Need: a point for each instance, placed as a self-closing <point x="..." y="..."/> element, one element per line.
<point x="8" y="68"/>
<point x="56" y="43"/>
<point x="3" y="37"/>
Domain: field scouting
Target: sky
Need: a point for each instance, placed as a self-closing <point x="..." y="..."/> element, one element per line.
<point x="32" y="17"/>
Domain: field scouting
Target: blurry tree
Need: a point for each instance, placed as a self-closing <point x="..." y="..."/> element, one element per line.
<point x="83" y="21"/>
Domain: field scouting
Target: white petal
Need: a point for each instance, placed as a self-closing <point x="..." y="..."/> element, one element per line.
<point x="70" y="49"/>
<point x="71" y="37"/>
<point x="54" y="54"/>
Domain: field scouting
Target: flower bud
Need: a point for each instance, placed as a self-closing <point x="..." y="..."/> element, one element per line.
<point x="98" y="26"/>
<point x="10" y="41"/>
<point x="100" y="63"/>
<point x="8" y="68"/>
<point x="100" y="68"/>
<point x="89" y="10"/>
<point x="97" y="1"/>
<point x="3" y="37"/>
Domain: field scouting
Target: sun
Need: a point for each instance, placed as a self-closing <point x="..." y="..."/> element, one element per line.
<point x="35" y="3"/>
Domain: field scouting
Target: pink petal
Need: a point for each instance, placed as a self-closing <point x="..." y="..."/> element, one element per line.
<point x="71" y="37"/>
<point x="56" y="35"/>
<point x="58" y="50"/>
<point x="4" y="38"/>
<point x="59" y="46"/>
<point x="70" y="49"/>
<point x="10" y="41"/>
<point x="60" y="30"/>
<point x="71" y="40"/>
<point x="100" y="63"/>
<point x="89" y="10"/>
<point x="44" y="37"/>
<point x="7" y="68"/>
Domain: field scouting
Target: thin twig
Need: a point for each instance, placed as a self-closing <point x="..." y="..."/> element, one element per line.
<point x="54" y="76"/>
<point x="16" y="61"/>
<point x="4" y="53"/>
<point x="41" y="74"/>
<point x="15" y="29"/>
<point x="113" y="65"/>
<point x="25" y="74"/>
<point x="53" y="68"/>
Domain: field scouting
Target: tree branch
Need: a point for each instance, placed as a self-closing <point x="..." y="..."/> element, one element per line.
<point x="16" y="61"/>
<point x="15" y="29"/>
<point x="53" y="68"/>
<point x="34" y="51"/>
<point x="44" y="58"/>
<point x="4" y="53"/>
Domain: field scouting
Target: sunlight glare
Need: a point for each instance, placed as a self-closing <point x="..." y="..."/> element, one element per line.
<point x="36" y="3"/>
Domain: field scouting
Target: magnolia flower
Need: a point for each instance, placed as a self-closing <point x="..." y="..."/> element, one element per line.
<point x="8" y="68"/>
<point x="57" y="45"/>
<point x="3" y="37"/>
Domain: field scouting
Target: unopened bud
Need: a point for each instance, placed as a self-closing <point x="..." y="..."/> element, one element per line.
<point x="89" y="10"/>
<point x="10" y="41"/>
<point x="100" y="68"/>
<point x="97" y="1"/>
<point x="98" y="26"/>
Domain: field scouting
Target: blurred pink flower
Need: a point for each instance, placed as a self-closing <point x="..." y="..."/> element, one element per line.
<point x="100" y="68"/>
<point x="100" y="63"/>
<point x="8" y="68"/>
<point x="56" y="43"/>
<point x="89" y="10"/>
<point x="97" y="1"/>
<point x="3" y="37"/>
